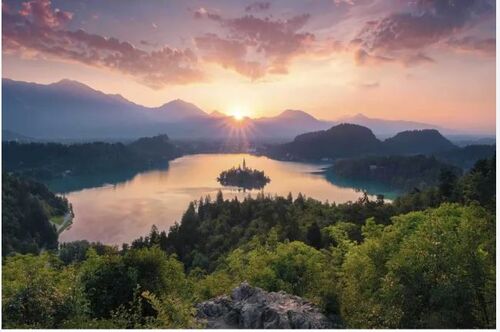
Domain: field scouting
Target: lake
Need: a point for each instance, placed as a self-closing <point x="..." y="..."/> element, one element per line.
<point x="123" y="211"/>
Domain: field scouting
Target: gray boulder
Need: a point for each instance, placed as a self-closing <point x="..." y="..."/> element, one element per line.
<point x="253" y="308"/>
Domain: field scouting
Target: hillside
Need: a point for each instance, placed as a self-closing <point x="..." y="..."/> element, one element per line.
<point x="27" y="208"/>
<point x="344" y="140"/>
<point x="350" y="140"/>
<point x="396" y="172"/>
<point x="52" y="160"/>
<point x="418" y="141"/>
<point x="467" y="156"/>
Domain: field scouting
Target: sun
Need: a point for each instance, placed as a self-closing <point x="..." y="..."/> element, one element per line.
<point x="238" y="116"/>
<point x="238" y="113"/>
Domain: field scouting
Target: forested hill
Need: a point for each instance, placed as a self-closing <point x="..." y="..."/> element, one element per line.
<point x="395" y="172"/>
<point x="417" y="141"/>
<point x="53" y="160"/>
<point x="27" y="207"/>
<point x="344" y="140"/>
<point x="353" y="141"/>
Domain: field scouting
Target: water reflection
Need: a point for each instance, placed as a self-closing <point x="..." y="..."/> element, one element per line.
<point x="76" y="183"/>
<point x="123" y="211"/>
<point x="371" y="188"/>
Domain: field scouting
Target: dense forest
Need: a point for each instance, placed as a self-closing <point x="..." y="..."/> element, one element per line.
<point x="45" y="161"/>
<point x="396" y="172"/>
<point x="426" y="260"/>
<point x="27" y="208"/>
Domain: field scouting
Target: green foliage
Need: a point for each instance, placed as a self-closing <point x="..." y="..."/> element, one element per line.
<point x="76" y="251"/>
<point x="27" y="208"/>
<point x="107" y="283"/>
<point x="156" y="272"/>
<point x="211" y="229"/>
<point x="479" y="184"/>
<point x="293" y="267"/>
<point x="171" y="312"/>
<point x="431" y="269"/>
<point x="143" y="288"/>
<point x="37" y="292"/>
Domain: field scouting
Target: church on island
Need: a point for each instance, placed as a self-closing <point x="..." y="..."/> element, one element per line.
<point x="243" y="177"/>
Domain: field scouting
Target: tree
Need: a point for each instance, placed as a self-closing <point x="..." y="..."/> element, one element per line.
<point x="479" y="184"/>
<point x="314" y="236"/>
<point x="108" y="283"/>
<point x="37" y="292"/>
<point x="447" y="184"/>
<point x="429" y="269"/>
<point x="293" y="267"/>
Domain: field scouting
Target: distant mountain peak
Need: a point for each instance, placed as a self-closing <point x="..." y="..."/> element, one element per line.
<point x="75" y="87"/>
<point x="179" y="109"/>
<point x="179" y="102"/>
<point x="296" y="114"/>
<point x="217" y="114"/>
<point x="67" y="83"/>
<point x="360" y="116"/>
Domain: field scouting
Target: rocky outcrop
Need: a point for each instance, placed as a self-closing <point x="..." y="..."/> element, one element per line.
<point x="253" y="308"/>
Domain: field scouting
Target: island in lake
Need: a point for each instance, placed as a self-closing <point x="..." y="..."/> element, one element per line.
<point x="243" y="177"/>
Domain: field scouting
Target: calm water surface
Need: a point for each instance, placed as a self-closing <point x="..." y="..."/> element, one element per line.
<point x="121" y="212"/>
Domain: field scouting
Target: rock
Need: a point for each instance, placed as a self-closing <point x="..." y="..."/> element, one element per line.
<point x="253" y="308"/>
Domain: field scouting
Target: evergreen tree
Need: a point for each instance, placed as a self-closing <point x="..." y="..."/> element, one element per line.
<point x="313" y="236"/>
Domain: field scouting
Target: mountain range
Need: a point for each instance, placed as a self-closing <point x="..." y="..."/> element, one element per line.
<point x="72" y="110"/>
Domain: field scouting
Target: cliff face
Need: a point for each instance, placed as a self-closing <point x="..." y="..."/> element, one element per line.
<point x="253" y="308"/>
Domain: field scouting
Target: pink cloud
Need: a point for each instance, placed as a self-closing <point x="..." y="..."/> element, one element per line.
<point x="41" y="14"/>
<point x="404" y="35"/>
<point x="229" y="54"/>
<point x="202" y="12"/>
<point x="265" y="45"/>
<point x="37" y="28"/>
<point x="470" y="44"/>
<point x="259" y="6"/>
<point x="427" y="23"/>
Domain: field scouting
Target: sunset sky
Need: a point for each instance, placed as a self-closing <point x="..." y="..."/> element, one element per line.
<point x="424" y="60"/>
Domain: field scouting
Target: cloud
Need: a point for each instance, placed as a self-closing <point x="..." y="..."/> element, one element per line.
<point x="267" y="45"/>
<point x="202" y="12"/>
<point x="341" y="2"/>
<point x="369" y="85"/>
<point x="427" y="23"/>
<point x="148" y="43"/>
<point x="361" y="57"/>
<point x="42" y="15"/>
<point x="258" y="7"/>
<point x="416" y="59"/>
<point x="38" y="29"/>
<point x="471" y="44"/>
<point x="229" y="54"/>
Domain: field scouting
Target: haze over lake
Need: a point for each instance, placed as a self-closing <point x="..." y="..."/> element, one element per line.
<point x="121" y="212"/>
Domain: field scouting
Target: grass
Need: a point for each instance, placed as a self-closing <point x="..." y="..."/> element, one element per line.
<point x="58" y="220"/>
